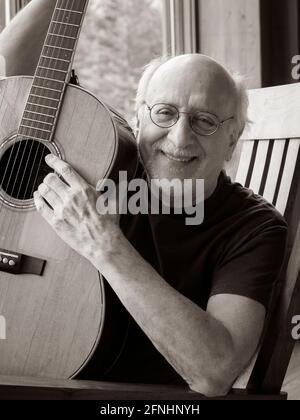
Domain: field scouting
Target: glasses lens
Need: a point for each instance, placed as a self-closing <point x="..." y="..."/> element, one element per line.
<point x="204" y="123"/>
<point x="164" y="115"/>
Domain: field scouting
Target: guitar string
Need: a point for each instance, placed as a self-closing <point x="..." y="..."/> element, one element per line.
<point x="42" y="85"/>
<point x="81" y="21"/>
<point x="17" y="144"/>
<point x="36" y="130"/>
<point x="65" y="85"/>
<point x="67" y="7"/>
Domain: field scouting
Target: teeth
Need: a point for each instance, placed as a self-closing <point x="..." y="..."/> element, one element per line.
<point x="178" y="159"/>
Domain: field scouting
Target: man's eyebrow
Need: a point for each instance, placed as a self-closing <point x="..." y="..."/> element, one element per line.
<point x="192" y="108"/>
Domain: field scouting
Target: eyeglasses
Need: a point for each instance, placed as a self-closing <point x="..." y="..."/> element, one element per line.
<point x="203" y="123"/>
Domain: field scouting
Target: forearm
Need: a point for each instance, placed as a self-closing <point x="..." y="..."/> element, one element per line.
<point x="198" y="346"/>
<point x="22" y="40"/>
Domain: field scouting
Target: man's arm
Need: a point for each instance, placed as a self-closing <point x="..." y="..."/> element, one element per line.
<point x="22" y="40"/>
<point x="209" y="349"/>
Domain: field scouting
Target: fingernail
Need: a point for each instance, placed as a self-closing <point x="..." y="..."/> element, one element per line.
<point x="48" y="158"/>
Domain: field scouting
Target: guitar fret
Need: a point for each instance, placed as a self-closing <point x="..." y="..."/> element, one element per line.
<point x="44" y="97"/>
<point x="40" y="100"/>
<point x="62" y="36"/>
<point x="36" y="121"/>
<point x="46" y="88"/>
<point x="46" y="93"/>
<point x="66" y="10"/>
<point x="32" y="137"/>
<point x="49" y="68"/>
<point x="31" y="132"/>
<point x="52" y="58"/>
<point x="40" y="114"/>
<point x="41" y="106"/>
<point x="59" y="48"/>
<point x="40" y="81"/>
<point x="56" y="52"/>
<point x="52" y="80"/>
<point x="61" y="29"/>
<point x="55" y="64"/>
<point x="65" y="23"/>
<point x="68" y="17"/>
<point x="35" y="128"/>
<point x="51" y="76"/>
<point x="79" y="5"/>
<point x="55" y="40"/>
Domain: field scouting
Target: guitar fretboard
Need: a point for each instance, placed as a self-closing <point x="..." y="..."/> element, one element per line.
<point x="53" y="70"/>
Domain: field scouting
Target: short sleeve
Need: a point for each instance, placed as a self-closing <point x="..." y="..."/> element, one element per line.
<point x="251" y="265"/>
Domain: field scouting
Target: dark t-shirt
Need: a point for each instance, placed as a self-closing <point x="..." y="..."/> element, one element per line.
<point x="238" y="249"/>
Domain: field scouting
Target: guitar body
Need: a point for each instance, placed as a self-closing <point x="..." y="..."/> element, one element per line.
<point x="55" y="319"/>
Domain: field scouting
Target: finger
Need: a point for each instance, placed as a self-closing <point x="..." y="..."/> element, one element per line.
<point x="56" y="184"/>
<point x="42" y="207"/>
<point x="64" y="170"/>
<point x="50" y="195"/>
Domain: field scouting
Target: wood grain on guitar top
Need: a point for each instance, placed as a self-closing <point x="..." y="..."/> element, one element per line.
<point x="54" y="321"/>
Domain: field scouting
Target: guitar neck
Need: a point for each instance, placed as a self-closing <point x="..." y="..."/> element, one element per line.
<point x="53" y="70"/>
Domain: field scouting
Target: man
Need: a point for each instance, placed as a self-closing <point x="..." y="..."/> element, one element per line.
<point x="197" y="295"/>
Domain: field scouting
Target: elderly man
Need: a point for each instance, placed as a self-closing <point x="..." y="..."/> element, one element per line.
<point x="197" y="295"/>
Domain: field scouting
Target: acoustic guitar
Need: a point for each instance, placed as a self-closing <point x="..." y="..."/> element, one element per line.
<point x="58" y="309"/>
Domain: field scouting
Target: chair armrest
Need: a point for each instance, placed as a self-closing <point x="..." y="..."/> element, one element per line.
<point x="53" y="389"/>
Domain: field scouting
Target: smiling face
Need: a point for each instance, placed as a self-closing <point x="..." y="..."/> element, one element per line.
<point x="191" y="83"/>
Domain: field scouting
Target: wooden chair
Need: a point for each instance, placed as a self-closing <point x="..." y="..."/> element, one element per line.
<point x="269" y="164"/>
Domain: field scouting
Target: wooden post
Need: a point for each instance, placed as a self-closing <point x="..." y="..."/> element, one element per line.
<point x="280" y="41"/>
<point x="230" y="33"/>
<point x="180" y="28"/>
<point x="2" y="15"/>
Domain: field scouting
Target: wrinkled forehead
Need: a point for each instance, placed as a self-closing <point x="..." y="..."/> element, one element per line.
<point x="194" y="83"/>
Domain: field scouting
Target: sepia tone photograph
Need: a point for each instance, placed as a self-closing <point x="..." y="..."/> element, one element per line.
<point x="149" y="202"/>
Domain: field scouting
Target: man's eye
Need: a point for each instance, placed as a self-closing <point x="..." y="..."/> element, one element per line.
<point x="204" y="121"/>
<point x="165" y="111"/>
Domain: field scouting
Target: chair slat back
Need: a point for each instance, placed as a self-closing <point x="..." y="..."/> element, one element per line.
<point x="269" y="164"/>
<point x="268" y="167"/>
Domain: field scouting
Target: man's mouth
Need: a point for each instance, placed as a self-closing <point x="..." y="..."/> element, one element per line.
<point x="179" y="158"/>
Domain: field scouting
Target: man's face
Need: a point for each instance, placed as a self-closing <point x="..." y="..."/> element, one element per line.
<point x="191" y="83"/>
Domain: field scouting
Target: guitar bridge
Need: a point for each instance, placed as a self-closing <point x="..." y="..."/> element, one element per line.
<point x="16" y="263"/>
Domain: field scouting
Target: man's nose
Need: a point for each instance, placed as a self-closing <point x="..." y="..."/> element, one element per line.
<point x="181" y="134"/>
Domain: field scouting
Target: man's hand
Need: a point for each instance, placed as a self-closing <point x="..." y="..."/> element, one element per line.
<point x="73" y="214"/>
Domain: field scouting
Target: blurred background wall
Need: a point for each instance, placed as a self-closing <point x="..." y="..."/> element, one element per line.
<point x="257" y="38"/>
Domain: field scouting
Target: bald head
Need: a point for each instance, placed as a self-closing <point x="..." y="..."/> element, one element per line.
<point x="196" y="74"/>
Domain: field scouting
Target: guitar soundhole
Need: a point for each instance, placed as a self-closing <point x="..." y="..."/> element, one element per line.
<point x="23" y="168"/>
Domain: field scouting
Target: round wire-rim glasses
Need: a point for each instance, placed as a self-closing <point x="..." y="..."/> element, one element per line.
<point x="204" y="123"/>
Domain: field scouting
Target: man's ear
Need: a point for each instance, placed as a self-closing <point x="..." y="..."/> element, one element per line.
<point x="234" y="138"/>
<point x="137" y="125"/>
